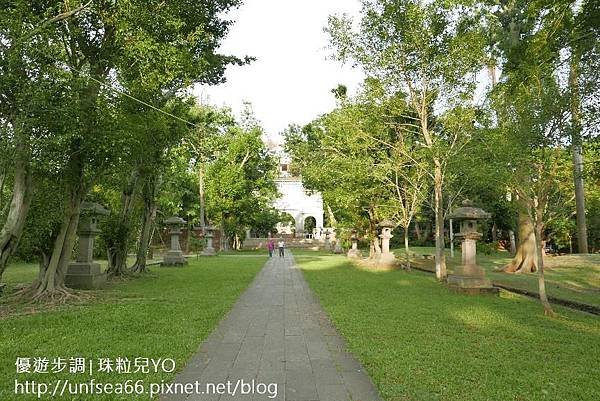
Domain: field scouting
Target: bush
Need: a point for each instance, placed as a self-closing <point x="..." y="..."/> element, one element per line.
<point x="487" y="248"/>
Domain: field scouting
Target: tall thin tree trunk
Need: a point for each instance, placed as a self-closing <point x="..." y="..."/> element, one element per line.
<point x="406" y="249"/>
<point x="513" y="242"/>
<point x="2" y="184"/>
<point x="201" y="196"/>
<point x="451" y="230"/>
<point x="149" y="192"/>
<point x="440" y="257"/>
<point x="582" y="243"/>
<point x="548" y="311"/>
<point x="19" y="207"/>
<point x="117" y="252"/>
<point x="418" y="230"/>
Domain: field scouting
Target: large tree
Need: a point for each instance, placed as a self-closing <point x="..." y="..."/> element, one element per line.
<point x="170" y="45"/>
<point x="240" y="184"/>
<point x="430" y="50"/>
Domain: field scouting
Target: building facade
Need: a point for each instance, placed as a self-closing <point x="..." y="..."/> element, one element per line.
<point x="305" y="208"/>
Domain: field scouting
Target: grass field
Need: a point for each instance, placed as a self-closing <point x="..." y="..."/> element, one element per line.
<point x="165" y="314"/>
<point x="420" y="342"/>
<point x="570" y="277"/>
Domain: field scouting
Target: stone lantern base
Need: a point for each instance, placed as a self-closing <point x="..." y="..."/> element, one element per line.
<point x="354" y="254"/>
<point x="174" y="258"/>
<point x="85" y="276"/>
<point x="385" y="260"/>
<point x="470" y="279"/>
<point x="209" y="252"/>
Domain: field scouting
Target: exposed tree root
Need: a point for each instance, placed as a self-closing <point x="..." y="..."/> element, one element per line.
<point x="525" y="260"/>
<point x="521" y="263"/>
<point x="58" y="296"/>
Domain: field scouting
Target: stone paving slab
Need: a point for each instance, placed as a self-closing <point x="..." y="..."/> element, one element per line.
<point x="277" y="334"/>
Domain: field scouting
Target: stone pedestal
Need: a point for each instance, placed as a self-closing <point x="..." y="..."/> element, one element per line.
<point x="84" y="273"/>
<point x="354" y="253"/>
<point x="209" y="250"/>
<point x="469" y="278"/>
<point x="174" y="256"/>
<point x="386" y="258"/>
<point x="327" y="241"/>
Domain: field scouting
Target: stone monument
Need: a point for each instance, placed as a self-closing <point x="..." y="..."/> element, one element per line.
<point x="174" y="256"/>
<point x="327" y="241"/>
<point x="354" y="252"/>
<point x="208" y="249"/>
<point x="386" y="258"/>
<point x="84" y="273"/>
<point x="469" y="277"/>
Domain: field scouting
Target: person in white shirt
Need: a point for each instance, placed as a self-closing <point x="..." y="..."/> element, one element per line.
<point x="281" y="246"/>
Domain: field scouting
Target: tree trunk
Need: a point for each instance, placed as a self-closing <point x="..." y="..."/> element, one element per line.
<point x="19" y="207"/>
<point x="224" y="239"/>
<point x="376" y="247"/>
<point x="406" y="249"/>
<point x="117" y="252"/>
<point x="2" y="184"/>
<point x="582" y="243"/>
<point x="451" y="230"/>
<point x="51" y="283"/>
<point x="149" y="192"/>
<point x="427" y="231"/>
<point x="525" y="258"/>
<point x="540" y="263"/>
<point x="440" y="257"/>
<point x="332" y="220"/>
<point x="201" y="196"/>
<point x="513" y="243"/>
<point x="418" y="230"/>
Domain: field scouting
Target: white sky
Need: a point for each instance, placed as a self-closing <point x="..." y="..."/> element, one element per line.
<point x="292" y="78"/>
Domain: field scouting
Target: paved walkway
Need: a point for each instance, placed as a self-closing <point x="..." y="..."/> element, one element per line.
<point x="278" y="333"/>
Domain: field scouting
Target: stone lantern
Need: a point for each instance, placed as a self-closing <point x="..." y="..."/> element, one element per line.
<point x="84" y="273"/>
<point x="469" y="277"/>
<point x="386" y="258"/>
<point x="353" y="252"/>
<point x="209" y="250"/>
<point x="327" y="241"/>
<point x="337" y="247"/>
<point x="174" y="256"/>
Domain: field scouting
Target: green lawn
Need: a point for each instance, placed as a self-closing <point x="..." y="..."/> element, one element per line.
<point x="421" y="342"/>
<point x="165" y="314"/>
<point x="570" y="277"/>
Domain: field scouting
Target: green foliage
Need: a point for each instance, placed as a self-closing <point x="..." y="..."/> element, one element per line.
<point x="63" y="71"/>
<point x="363" y="148"/>
<point x="240" y="181"/>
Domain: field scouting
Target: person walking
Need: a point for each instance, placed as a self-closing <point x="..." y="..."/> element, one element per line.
<point x="271" y="247"/>
<point x="281" y="246"/>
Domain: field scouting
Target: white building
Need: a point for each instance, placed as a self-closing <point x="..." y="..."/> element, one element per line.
<point x="306" y="208"/>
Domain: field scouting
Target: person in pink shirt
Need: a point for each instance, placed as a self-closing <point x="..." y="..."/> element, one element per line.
<point x="271" y="247"/>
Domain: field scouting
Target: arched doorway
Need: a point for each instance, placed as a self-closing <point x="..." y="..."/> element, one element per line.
<point x="310" y="223"/>
<point x="286" y="224"/>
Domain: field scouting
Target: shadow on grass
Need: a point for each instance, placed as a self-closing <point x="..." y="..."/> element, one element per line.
<point x="164" y="315"/>
<point x="420" y="341"/>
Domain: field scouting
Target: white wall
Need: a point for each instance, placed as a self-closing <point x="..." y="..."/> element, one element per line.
<point x="297" y="202"/>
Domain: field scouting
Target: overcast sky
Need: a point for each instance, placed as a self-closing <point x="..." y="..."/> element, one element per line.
<point x="292" y="77"/>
